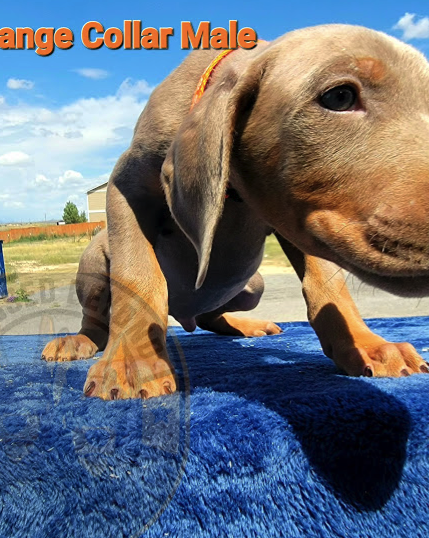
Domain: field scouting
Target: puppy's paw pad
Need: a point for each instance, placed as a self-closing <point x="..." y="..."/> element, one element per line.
<point x="396" y="360"/>
<point x="113" y="379"/>
<point x="69" y="348"/>
<point x="384" y="360"/>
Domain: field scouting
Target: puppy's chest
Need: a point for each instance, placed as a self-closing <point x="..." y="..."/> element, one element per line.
<point x="235" y="256"/>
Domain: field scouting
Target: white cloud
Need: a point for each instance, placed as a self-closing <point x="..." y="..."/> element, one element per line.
<point x="49" y="195"/>
<point x="13" y="204"/>
<point x="92" y="72"/>
<point x="134" y="88"/>
<point x="41" y="182"/>
<point x="57" y="186"/>
<point x="73" y="148"/>
<point x="15" y="158"/>
<point x="412" y="29"/>
<point x="19" y="84"/>
<point x="71" y="178"/>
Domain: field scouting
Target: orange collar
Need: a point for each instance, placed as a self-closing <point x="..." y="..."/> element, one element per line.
<point x="202" y="84"/>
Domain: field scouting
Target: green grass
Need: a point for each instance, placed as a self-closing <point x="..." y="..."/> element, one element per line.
<point x="20" y="296"/>
<point x="274" y="254"/>
<point x="11" y="275"/>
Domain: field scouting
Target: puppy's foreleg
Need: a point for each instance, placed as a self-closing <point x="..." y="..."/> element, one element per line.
<point x="93" y="291"/>
<point x="343" y="334"/>
<point x="135" y="363"/>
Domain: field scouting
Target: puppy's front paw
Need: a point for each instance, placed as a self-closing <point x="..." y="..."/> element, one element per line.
<point x="119" y="378"/>
<point x="69" y="348"/>
<point x="383" y="359"/>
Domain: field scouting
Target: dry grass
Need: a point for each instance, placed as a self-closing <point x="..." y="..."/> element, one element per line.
<point x="274" y="255"/>
<point x="30" y="266"/>
<point x="49" y="252"/>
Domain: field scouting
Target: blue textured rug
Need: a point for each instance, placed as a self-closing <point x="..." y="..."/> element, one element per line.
<point x="266" y="439"/>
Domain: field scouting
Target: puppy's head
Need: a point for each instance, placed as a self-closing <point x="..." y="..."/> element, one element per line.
<point x="324" y="133"/>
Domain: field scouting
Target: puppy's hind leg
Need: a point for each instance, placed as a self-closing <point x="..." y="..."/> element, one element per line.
<point x="221" y="322"/>
<point x="93" y="291"/>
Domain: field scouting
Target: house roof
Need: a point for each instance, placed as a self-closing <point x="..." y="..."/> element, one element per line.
<point x="96" y="188"/>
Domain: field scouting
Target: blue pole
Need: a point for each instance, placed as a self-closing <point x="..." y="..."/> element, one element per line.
<point x="3" y="284"/>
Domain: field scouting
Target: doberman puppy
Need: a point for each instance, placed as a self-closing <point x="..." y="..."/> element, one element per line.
<point x="320" y="137"/>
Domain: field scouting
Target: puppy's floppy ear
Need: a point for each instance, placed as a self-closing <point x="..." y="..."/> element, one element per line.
<point x="196" y="170"/>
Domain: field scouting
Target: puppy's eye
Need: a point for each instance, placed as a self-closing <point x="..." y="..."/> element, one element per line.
<point x="341" y="98"/>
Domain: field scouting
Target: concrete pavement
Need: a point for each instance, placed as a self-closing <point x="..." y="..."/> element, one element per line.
<point x="58" y="310"/>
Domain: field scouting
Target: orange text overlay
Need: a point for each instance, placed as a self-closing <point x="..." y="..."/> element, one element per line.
<point x="131" y="36"/>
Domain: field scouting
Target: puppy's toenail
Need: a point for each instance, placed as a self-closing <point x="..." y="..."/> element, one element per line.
<point x="89" y="389"/>
<point x="368" y="372"/>
<point x="114" y="394"/>
<point x="424" y="369"/>
<point x="43" y="357"/>
<point x="143" y="394"/>
<point x="167" y="388"/>
<point x="405" y="373"/>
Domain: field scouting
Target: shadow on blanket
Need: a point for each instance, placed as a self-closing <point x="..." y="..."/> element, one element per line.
<point x="275" y="440"/>
<point x="353" y="434"/>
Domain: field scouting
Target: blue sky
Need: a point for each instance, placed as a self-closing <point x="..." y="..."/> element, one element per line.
<point x="66" y="118"/>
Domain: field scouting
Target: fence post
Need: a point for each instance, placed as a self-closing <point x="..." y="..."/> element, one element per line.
<point x="3" y="284"/>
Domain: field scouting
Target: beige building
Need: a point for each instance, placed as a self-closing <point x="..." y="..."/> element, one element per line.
<point x="96" y="199"/>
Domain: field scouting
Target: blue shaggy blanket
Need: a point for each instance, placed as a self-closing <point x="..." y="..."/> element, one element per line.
<point x="266" y="438"/>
